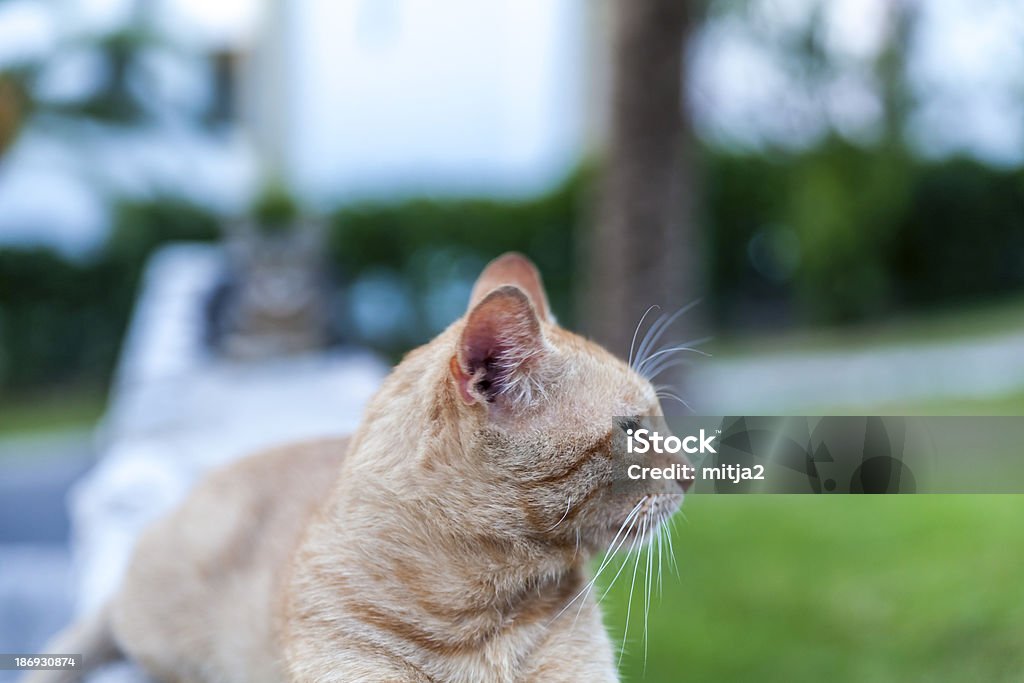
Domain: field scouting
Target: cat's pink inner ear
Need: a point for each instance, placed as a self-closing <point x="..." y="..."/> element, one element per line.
<point x="500" y="340"/>
<point x="512" y="269"/>
<point x="462" y="382"/>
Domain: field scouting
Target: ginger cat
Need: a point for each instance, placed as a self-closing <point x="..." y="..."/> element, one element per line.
<point x="443" y="541"/>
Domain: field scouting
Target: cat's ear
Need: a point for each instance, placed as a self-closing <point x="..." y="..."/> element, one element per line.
<point x="499" y="349"/>
<point x="512" y="269"/>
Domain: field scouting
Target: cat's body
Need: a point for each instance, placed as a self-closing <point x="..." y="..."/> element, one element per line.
<point x="446" y="541"/>
<point x="202" y="599"/>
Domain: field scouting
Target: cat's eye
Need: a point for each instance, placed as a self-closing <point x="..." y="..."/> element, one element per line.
<point x="629" y="424"/>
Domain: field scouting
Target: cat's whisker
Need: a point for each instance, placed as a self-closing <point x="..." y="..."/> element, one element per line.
<point x="668" y="548"/>
<point x="671" y="551"/>
<point x="671" y="561"/>
<point x="670" y="349"/>
<point x="597" y="574"/>
<point x="607" y="558"/>
<point x="632" y="587"/>
<point x="564" y="515"/>
<point x="689" y="343"/>
<point x="666" y="364"/>
<point x="661" y="535"/>
<point x="637" y="331"/>
<point x="613" y="548"/>
<point x="674" y="397"/>
<point x="631" y="519"/>
<point x="665" y="391"/>
<point x="658" y="329"/>
<point x="645" y="343"/>
<point x="649" y="576"/>
<point x="621" y="567"/>
<point x="656" y="543"/>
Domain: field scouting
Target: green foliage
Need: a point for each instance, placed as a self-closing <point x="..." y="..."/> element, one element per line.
<point x="423" y="242"/>
<point x="843" y="234"/>
<point x="275" y="210"/>
<point x="56" y="318"/>
<point x="140" y="227"/>
<point x="963" y="234"/>
<point x="845" y="205"/>
<point x="62" y="321"/>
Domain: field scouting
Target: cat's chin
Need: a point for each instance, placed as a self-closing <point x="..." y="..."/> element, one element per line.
<point x="637" y="528"/>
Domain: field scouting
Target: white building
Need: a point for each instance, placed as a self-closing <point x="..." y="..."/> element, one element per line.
<point x="344" y="98"/>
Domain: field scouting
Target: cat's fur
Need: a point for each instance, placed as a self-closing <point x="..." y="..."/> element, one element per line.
<point x="442" y="542"/>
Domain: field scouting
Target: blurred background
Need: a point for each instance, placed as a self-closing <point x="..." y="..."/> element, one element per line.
<point x="220" y="223"/>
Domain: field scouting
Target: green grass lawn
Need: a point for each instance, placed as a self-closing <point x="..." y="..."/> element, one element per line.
<point x="1010" y="404"/>
<point x="818" y="588"/>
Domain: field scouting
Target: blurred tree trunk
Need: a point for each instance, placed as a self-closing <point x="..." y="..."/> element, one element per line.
<point x="13" y="103"/>
<point x="642" y="250"/>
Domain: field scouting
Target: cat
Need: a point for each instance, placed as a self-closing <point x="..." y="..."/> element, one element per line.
<point x="446" y="540"/>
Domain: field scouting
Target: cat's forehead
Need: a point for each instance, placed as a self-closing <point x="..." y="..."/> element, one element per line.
<point x="603" y="371"/>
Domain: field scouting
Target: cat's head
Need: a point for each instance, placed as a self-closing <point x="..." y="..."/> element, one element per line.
<point x="548" y="412"/>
